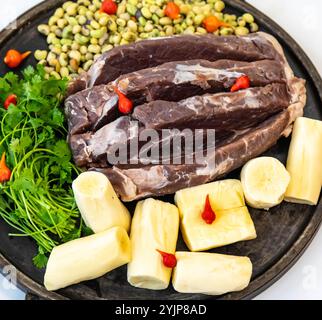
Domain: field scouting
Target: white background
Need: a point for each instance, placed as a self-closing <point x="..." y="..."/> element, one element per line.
<point x="302" y="19"/>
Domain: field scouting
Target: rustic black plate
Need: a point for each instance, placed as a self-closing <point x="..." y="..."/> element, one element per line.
<point x="283" y="233"/>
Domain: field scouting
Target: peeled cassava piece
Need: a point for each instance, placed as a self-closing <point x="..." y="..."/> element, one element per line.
<point x="264" y="182"/>
<point x="155" y="226"/>
<point x="210" y="273"/>
<point x="87" y="258"/>
<point x="304" y="162"/>
<point x="232" y="224"/>
<point x="98" y="203"/>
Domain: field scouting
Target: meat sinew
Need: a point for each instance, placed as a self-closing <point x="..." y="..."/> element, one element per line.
<point x="171" y="81"/>
<point x="153" y="52"/>
<point x="136" y="183"/>
<point x="176" y="84"/>
<point x="224" y="112"/>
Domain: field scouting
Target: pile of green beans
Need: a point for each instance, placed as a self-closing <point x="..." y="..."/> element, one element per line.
<point x="78" y="33"/>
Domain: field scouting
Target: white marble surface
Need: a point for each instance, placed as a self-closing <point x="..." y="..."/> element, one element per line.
<point x="302" y="19"/>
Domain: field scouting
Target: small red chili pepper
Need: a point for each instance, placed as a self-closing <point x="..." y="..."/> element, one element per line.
<point x="11" y="99"/>
<point x="5" y="172"/>
<point x="212" y="24"/>
<point x="14" y="58"/>
<point x="125" y="104"/>
<point x="169" y="260"/>
<point x="241" y="83"/>
<point x="208" y="215"/>
<point x="109" y="7"/>
<point x="172" y="10"/>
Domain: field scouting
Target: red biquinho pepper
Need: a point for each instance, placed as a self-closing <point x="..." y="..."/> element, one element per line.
<point x="5" y="172"/>
<point x="169" y="260"/>
<point x="109" y="7"/>
<point x="11" y="99"/>
<point x="208" y="215"/>
<point x="125" y="104"/>
<point x="172" y="10"/>
<point x="241" y="83"/>
<point x="14" y="58"/>
<point x="212" y="24"/>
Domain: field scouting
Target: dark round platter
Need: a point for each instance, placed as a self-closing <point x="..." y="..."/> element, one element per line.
<point x="283" y="233"/>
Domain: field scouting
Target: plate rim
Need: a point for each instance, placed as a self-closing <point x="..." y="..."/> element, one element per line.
<point x="298" y="247"/>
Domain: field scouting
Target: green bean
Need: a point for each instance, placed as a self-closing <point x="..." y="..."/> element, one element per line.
<point x="59" y="13"/>
<point x="185" y="8"/>
<point x="92" y="8"/>
<point x="52" y="20"/>
<point x="66" y="41"/>
<point x="50" y="38"/>
<point x="89" y="56"/>
<point x="241" y="31"/>
<point x="83" y="49"/>
<point x="155" y="19"/>
<point x="248" y="18"/>
<point x="94" y="48"/>
<point x="82" y="10"/>
<point x="94" y="41"/>
<point x="44" y="29"/>
<point x="40" y="54"/>
<point x="226" y="31"/>
<point x="81" y="20"/>
<point x="165" y="21"/>
<point x="131" y="9"/>
<point x="160" y="13"/>
<point x="190" y="30"/>
<point x="106" y="47"/>
<point x="132" y="25"/>
<point x="133" y="2"/>
<point x="201" y="30"/>
<point x="241" y="22"/>
<point x="89" y="14"/>
<point x="63" y="59"/>
<point x="94" y="24"/>
<point x="121" y="22"/>
<point x="219" y="6"/>
<point x="148" y="27"/>
<point x="198" y="19"/>
<point x="142" y="21"/>
<point x="76" y="29"/>
<point x="98" y="33"/>
<point x="146" y="13"/>
<point x="121" y="8"/>
<point x="112" y="26"/>
<point x="81" y="39"/>
<point x="254" y="27"/>
<point x="55" y="75"/>
<point x="74" y="54"/>
<point x="144" y="35"/>
<point x="66" y="47"/>
<point x="43" y="62"/>
<point x="103" y="39"/>
<point x="103" y="20"/>
<point x="169" y="31"/>
<point x="129" y="36"/>
<point x="58" y="32"/>
<point x="57" y="50"/>
<point x="85" y="31"/>
<point x="125" y="16"/>
<point x="124" y="41"/>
